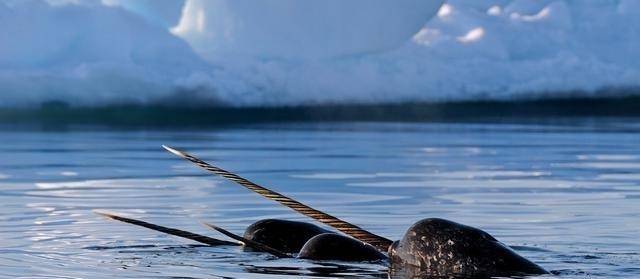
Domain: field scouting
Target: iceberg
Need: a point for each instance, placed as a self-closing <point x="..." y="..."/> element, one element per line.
<point x="301" y="29"/>
<point x="87" y="55"/>
<point x="293" y="52"/>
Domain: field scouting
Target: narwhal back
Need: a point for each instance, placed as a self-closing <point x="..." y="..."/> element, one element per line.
<point x="282" y="235"/>
<point x="441" y="247"/>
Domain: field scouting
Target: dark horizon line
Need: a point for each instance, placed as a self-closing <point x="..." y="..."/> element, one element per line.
<point x="165" y="115"/>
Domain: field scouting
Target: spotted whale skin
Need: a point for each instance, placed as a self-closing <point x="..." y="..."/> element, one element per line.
<point x="440" y="247"/>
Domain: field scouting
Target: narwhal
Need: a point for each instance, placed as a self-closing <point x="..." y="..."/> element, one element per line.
<point x="431" y="247"/>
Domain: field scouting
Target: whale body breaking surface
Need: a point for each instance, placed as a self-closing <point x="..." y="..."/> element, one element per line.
<point x="430" y="247"/>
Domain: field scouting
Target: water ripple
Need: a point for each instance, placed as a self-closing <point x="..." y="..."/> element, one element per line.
<point x="564" y="195"/>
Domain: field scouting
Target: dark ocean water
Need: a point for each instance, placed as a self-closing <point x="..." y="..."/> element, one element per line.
<point x="565" y="195"/>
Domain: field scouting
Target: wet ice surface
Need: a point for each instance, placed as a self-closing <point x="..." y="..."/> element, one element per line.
<point x="566" y="196"/>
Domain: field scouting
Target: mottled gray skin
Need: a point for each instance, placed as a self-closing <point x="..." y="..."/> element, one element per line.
<point x="331" y="246"/>
<point x="439" y="247"/>
<point x="282" y="235"/>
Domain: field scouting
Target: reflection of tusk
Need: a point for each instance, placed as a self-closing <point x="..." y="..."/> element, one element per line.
<point x="354" y="231"/>
<point x="171" y="231"/>
<point x="248" y="242"/>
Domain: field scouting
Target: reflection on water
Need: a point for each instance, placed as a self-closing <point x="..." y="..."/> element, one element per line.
<point x="565" y="196"/>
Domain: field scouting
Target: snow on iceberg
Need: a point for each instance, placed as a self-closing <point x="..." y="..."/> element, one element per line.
<point x="301" y="29"/>
<point x="469" y="50"/>
<point x="87" y="55"/>
<point x="94" y="52"/>
<point x="166" y="13"/>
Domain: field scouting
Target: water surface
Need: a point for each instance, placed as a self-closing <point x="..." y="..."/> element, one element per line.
<point x="565" y="195"/>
